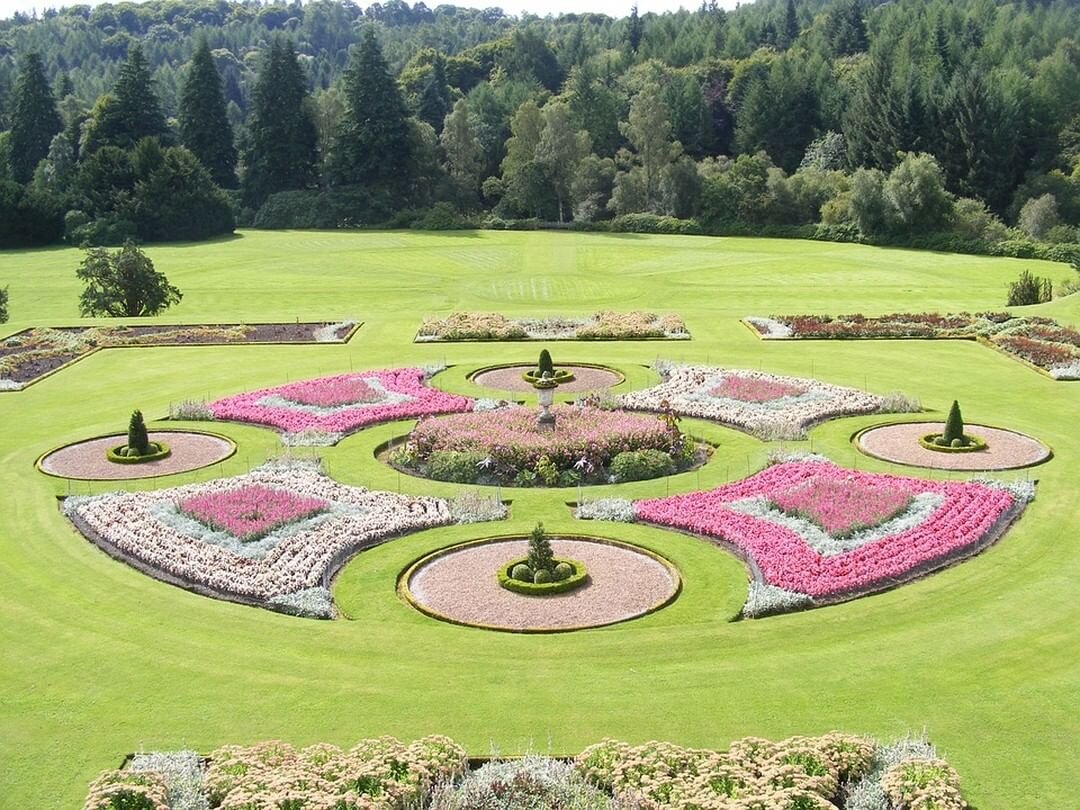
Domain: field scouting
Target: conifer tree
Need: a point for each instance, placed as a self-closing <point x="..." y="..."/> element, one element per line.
<point x="34" y="119"/>
<point x="634" y="30"/>
<point x="204" y="124"/>
<point x="373" y="147"/>
<point x="280" y="148"/>
<point x="131" y="111"/>
<point x="434" y="103"/>
<point x="789" y="31"/>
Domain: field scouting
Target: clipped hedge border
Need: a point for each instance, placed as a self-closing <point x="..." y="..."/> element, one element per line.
<point x="976" y="444"/>
<point x="407" y="572"/>
<point x="561" y="376"/>
<point x="578" y="578"/>
<point x="476" y="372"/>
<point x="113" y="454"/>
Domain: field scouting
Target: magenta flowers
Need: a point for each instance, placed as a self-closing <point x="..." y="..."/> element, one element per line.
<point x="335" y="406"/>
<point x="755" y="389"/>
<point x="897" y="528"/>
<point x="250" y="512"/>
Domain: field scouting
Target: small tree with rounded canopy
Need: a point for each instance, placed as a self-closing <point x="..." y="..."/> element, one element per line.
<point x="138" y="438"/>
<point x="123" y="284"/>
<point x="954" y="424"/>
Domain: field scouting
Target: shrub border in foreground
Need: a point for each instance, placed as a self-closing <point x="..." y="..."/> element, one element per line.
<point x="50" y="451"/>
<point x="471" y="376"/>
<point x="163" y="451"/>
<point x="407" y="572"/>
<point x="976" y="444"/>
<point x="345" y="340"/>
<point x="575" y="580"/>
<point x="854" y="440"/>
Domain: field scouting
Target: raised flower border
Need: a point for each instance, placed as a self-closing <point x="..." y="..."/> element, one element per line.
<point x="795" y="564"/>
<point x="149" y="531"/>
<point x="687" y="391"/>
<point x="405" y="396"/>
<point x="460" y="327"/>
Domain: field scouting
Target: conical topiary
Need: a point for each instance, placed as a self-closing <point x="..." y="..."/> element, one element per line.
<point x="954" y="425"/>
<point x="138" y="439"/>
<point x="541" y="557"/>
<point x="545" y="364"/>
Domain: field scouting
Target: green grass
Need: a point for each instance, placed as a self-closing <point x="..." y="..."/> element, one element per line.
<point x="98" y="660"/>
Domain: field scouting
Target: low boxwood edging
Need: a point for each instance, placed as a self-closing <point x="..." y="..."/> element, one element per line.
<point x="561" y="376"/>
<point x="114" y="454"/>
<point x="575" y="580"/>
<point x="974" y="444"/>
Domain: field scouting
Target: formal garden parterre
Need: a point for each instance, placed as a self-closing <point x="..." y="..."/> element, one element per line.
<point x="603" y="325"/>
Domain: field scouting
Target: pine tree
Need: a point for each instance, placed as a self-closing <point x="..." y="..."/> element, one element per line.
<point x="541" y="556"/>
<point x="789" y="31"/>
<point x="280" y="148"/>
<point x="204" y="124"/>
<point x="34" y="119"/>
<point x="373" y="147"/>
<point x="138" y="438"/>
<point x="434" y="102"/>
<point x="131" y="111"/>
<point x="635" y="28"/>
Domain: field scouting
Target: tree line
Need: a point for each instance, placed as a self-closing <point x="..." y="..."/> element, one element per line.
<point x="955" y="124"/>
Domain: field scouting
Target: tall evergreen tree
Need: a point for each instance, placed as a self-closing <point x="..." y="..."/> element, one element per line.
<point x="635" y="28"/>
<point x="373" y="146"/>
<point x="34" y="119"/>
<point x="789" y="30"/>
<point x="204" y="123"/>
<point x="131" y="111"/>
<point x="280" y="148"/>
<point x="434" y="102"/>
<point x="845" y="28"/>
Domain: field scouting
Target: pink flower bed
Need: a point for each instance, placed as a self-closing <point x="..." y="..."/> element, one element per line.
<point x="251" y="512"/>
<point x="332" y="393"/>
<point x="841" y="506"/>
<point x="754" y="389"/>
<point x="403" y="395"/>
<point x="968" y="513"/>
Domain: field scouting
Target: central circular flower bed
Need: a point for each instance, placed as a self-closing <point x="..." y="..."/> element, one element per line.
<point x="457" y="585"/>
<point x="506" y="446"/>
<point x="573" y="380"/>
<point x="902" y="443"/>
<point x="89" y="460"/>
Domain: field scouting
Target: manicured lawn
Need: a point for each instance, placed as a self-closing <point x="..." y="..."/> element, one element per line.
<point x="97" y="660"/>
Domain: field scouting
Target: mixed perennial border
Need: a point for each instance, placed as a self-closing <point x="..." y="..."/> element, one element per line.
<point x="1042" y="342"/>
<point x="588" y="445"/>
<point x="813" y="533"/>
<point x="272" y="537"/>
<point x="799" y="773"/>
<point x="320" y="412"/>
<point x="31" y="354"/>
<point x="769" y="406"/>
<point x="604" y="325"/>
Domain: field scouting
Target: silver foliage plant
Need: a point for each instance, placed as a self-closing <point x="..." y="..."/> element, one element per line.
<point x="477" y="507"/>
<point x="191" y="410"/>
<point x="620" y="510"/>
<point x="310" y="603"/>
<point x="867" y="793"/>
<point x="183" y="772"/>
<point x="765" y="600"/>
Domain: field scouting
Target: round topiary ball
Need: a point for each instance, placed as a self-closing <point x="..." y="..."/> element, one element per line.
<point x="940" y="441"/>
<point x="957" y="443"/>
<point x="542" y="576"/>
<point x="522" y="573"/>
<point x="563" y="571"/>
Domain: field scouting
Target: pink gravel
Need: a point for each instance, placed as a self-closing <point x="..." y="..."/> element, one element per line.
<point x="585" y="379"/>
<point x="1005" y="449"/>
<point x="461" y="585"/>
<point x="86" y="460"/>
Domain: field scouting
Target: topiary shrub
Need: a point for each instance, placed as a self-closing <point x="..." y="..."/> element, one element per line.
<point x="522" y="573"/>
<point x="639" y="465"/>
<point x="457" y="466"/>
<point x="541" y="557"/>
<point x="562" y="571"/>
<point x="138" y="438"/>
<point x="545" y="364"/>
<point x="954" y="426"/>
<point x="542" y="577"/>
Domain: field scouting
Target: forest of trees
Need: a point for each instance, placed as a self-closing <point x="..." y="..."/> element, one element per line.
<point x="951" y="124"/>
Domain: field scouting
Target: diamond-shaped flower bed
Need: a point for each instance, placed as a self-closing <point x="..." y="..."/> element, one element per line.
<point x="271" y="538"/>
<point x="251" y="512"/>
<point x="837" y="533"/>
<point x="770" y="406"/>
<point x="323" y="410"/>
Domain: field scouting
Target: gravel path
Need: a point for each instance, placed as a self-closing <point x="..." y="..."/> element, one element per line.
<point x="86" y="460"/>
<point x="623" y="584"/>
<point x="1005" y="449"/>
<point x="585" y="379"/>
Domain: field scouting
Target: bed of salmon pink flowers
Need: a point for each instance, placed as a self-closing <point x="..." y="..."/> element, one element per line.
<point x="814" y="533"/>
<point x="770" y="406"/>
<point x="260" y="538"/>
<point x="328" y="408"/>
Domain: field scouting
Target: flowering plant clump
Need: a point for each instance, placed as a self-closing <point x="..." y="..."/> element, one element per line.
<point x="277" y="531"/>
<point x="865" y="531"/>
<point x="505" y="446"/>
<point x="331" y="407"/>
<point x="769" y="406"/>
<point x="182" y="772"/>
<point x="530" y="783"/>
<point x="602" y="325"/>
<point x="127" y="789"/>
<point x="923" y="784"/>
<point x="1042" y="342"/>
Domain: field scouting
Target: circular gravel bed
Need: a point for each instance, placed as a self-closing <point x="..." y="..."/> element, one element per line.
<point x="899" y="443"/>
<point x="586" y="378"/>
<point x="86" y="460"/>
<point x="459" y="585"/>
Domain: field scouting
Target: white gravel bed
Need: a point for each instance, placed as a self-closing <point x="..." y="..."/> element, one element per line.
<point x="87" y="461"/>
<point x="1005" y="449"/>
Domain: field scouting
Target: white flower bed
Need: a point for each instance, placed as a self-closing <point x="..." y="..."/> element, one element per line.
<point x="148" y="528"/>
<point x="328" y="333"/>
<point x="619" y="510"/>
<point x="183" y="774"/>
<point x="686" y="390"/>
<point x="769" y="328"/>
<point x="1067" y="372"/>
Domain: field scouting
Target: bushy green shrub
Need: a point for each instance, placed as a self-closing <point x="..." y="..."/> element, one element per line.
<point x="541" y="557"/>
<point x="460" y="467"/>
<point x="522" y="573"/>
<point x="653" y="223"/>
<point x="138" y="438"/>
<point x="639" y="465"/>
<point x="542" y="577"/>
<point x="443" y="216"/>
<point x="562" y="571"/>
<point x="1029" y="289"/>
